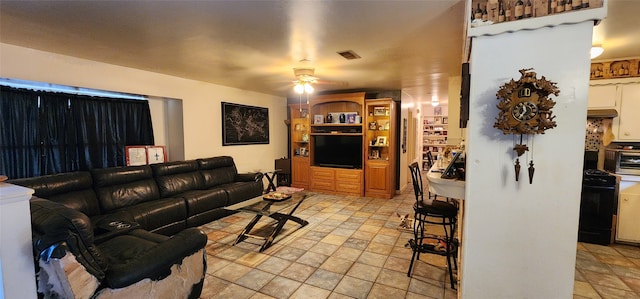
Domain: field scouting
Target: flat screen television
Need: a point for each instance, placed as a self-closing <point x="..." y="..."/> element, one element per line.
<point x="338" y="151"/>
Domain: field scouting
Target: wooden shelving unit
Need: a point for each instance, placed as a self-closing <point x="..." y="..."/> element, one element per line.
<point x="435" y="127"/>
<point x="375" y="175"/>
<point x="379" y="168"/>
<point x="300" y="145"/>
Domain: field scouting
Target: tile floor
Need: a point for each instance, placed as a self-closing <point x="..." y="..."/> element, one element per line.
<point x="352" y="248"/>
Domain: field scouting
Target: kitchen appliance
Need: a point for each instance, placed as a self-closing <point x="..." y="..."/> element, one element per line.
<point x="622" y="161"/>
<point x="598" y="206"/>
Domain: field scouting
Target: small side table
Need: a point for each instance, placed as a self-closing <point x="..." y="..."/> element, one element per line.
<point x="270" y="175"/>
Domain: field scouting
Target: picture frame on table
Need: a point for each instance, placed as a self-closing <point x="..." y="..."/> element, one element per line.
<point x="318" y="119"/>
<point x="156" y="154"/>
<point x="137" y="155"/>
<point x="381" y="141"/>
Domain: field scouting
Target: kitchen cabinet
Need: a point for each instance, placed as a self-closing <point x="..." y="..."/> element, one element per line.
<point x="602" y="96"/>
<point x="629" y="123"/>
<point x="628" y="229"/>
<point x="622" y="95"/>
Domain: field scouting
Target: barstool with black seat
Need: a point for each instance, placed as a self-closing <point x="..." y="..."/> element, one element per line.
<point x="437" y="212"/>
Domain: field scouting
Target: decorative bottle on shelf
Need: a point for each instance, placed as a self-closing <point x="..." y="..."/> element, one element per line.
<point x="576" y="4"/>
<point x="553" y="5"/>
<point x="501" y="17"/>
<point x="507" y="13"/>
<point x="567" y="5"/>
<point x="478" y="13"/>
<point x="585" y="3"/>
<point x="519" y="10"/>
<point x="560" y="7"/>
<point x="485" y="15"/>
<point x="528" y="9"/>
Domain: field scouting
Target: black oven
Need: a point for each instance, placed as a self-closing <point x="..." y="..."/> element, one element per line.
<point x="598" y="205"/>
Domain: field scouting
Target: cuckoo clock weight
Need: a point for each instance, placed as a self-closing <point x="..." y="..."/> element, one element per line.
<point x="524" y="111"/>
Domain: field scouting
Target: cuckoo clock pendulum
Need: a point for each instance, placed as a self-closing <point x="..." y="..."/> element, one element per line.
<point x="524" y="111"/>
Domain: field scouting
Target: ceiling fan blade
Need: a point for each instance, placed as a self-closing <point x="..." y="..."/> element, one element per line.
<point x="329" y="82"/>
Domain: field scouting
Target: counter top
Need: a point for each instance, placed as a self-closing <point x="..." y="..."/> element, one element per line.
<point x="452" y="188"/>
<point x="628" y="177"/>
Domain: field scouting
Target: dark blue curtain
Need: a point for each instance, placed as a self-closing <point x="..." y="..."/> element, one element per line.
<point x="109" y="126"/>
<point x="67" y="132"/>
<point x="57" y="130"/>
<point x="19" y="140"/>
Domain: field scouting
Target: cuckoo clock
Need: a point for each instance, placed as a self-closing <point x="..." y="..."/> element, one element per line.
<point x="524" y="111"/>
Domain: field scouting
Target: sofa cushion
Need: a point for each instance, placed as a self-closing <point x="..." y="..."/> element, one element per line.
<point x="118" y="187"/>
<point x="217" y="171"/>
<point x="72" y="189"/>
<point x="177" y="177"/>
<point x="241" y="191"/>
<point x="158" y="214"/>
<point x="200" y="201"/>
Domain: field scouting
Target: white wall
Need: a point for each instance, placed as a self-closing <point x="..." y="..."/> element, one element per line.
<point x="520" y="238"/>
<point x="200" y="101"/>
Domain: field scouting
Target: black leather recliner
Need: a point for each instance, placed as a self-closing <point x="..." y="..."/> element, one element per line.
<point x="132" y="262"/>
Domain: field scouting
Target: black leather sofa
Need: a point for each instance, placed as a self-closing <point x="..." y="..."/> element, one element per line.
<point x="128" y="226"/>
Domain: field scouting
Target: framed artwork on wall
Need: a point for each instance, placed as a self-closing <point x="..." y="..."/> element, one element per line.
<point x="242" y="124"/>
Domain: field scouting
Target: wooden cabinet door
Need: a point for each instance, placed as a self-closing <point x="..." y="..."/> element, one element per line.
<point x="630" y="105"/>
<point x="377" y="179"/>
<point x="628" y="225"/>
<point x="602" y="96"/>
<point x="300" y="172"/>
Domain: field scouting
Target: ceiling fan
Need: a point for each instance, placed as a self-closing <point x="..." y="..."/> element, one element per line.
<point x="305" y="80"/>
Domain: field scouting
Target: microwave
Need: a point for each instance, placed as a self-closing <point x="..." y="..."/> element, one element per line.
<point x="622" y="161"/>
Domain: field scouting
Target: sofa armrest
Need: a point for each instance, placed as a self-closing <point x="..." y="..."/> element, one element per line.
<point x="249" y="177"/>
<point x="53" y="224"/>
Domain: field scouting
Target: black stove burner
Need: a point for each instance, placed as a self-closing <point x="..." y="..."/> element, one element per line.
<point x="595" y="177"/>
<point x="596" y="172"/>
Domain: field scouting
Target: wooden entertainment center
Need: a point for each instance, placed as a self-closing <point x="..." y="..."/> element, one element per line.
<point x="342" y="144"/>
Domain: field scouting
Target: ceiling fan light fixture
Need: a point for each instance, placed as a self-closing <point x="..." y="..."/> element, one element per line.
<point x="596" y="51"/>
<point x="298" y="88"/>
<point x="308" y="88"/>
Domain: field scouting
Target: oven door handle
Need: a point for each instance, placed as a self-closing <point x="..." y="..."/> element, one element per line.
<point x="599" y="187"/>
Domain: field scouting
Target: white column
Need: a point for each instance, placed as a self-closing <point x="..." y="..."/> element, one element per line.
<point x="16" y="257"/>
<point x="520" y="238"/>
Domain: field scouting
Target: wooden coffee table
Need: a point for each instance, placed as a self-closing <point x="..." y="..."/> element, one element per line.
<point x="270" y="208"/>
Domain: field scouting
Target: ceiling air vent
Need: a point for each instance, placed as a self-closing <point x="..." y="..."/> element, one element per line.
<point x="349" y="55"/>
